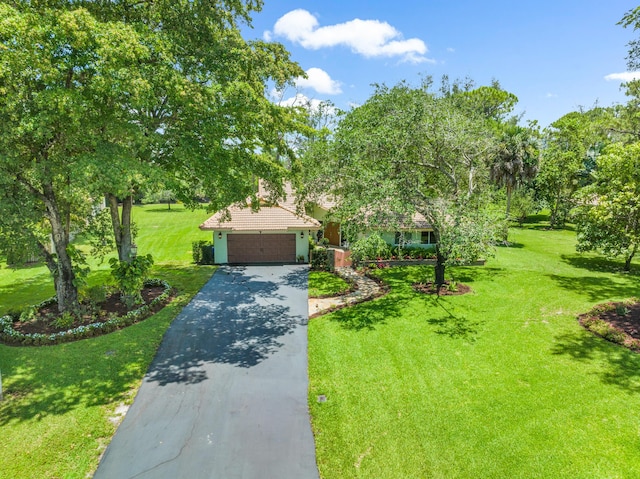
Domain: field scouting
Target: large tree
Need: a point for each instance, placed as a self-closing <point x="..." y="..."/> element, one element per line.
<point x="205" y="122"/>
<point x="571" y="145"/>
<point x="57" y="67"/>
<point x="516" y="159"/>
<point x="609" y="216"/>
<point x="407" y="150"/>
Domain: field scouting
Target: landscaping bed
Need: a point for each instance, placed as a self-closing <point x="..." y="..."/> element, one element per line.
<point x="616" y="322"/>
<point x="46" y="326"/>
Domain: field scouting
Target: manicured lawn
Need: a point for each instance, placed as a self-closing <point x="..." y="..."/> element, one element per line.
<point x="54" y="421"/>
<point x="322" y="283"/>
<point x="501" y="383"/>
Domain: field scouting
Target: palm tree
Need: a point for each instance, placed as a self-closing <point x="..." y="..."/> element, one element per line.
<point x="516" y="160"/>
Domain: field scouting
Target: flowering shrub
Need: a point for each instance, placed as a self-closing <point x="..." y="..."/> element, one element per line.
<point x="10" y="335"/>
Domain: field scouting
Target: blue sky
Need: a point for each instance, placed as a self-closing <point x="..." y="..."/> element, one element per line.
<point x="555" y="56"/>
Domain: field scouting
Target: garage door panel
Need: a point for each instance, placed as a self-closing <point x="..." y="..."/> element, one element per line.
<point x="266" y="248"/>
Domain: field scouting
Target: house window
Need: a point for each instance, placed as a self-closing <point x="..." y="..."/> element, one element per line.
<point x="427" y="237"/>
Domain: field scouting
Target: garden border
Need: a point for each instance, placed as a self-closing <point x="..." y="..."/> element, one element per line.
<point x="10" y="336"/>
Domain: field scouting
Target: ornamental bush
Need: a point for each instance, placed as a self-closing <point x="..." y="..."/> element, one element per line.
<point x="370" y="248"/>
<point x="130" y="277"/>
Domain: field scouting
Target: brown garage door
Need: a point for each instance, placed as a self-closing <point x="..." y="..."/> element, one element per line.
<point x="275" y="248"/>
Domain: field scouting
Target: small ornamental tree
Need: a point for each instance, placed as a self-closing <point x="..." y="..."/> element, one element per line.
<point x="609" y="218"/>
<point x="130" y="277"/>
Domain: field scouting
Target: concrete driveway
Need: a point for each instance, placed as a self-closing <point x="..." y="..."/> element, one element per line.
<point x="226" y="395"/>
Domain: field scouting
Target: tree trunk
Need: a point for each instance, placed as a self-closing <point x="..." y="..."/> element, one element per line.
<point x="627" y="262"/>
<point x="121" y="225"/>
<point x="440" y="268"/>
<point x="509" y="192"/>
<point x="62" y="267"/>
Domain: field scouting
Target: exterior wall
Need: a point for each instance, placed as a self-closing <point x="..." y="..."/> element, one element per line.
<point x="411" y="238"/>
<point x="221" y="255"/>
<point x="318" y="213"/>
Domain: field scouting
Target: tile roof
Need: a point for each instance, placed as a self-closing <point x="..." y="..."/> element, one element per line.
<point x="267" y="218"/>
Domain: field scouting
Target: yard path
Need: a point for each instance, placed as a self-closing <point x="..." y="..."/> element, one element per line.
<point x="366" y="288"/>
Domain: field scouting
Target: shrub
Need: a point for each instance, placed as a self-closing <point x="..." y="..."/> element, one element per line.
<point x="95" y="294"/>
<point x="370" y="248"/>
<point x="202" y="252"/>
<point x="320" y="259"/>
<point x="64" y="321"/>
<point x="130" y="277"/>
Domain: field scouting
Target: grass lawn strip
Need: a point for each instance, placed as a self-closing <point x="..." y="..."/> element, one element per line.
<point x="323" y="284"/>
<point x="499" y="383"/>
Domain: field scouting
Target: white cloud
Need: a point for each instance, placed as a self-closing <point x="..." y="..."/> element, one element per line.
<point x="551" y="95"/>
<point x="369" y="38"/>
<point x="320" y="81"/>
<point x="625" y="76"/>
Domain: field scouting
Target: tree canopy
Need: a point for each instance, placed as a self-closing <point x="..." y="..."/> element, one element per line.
<point x="101" y="98"/>
<point x="408" y="150"/>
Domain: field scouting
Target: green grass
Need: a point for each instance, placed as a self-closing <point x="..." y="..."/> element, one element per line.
<point x="167" y="235"/>
<point x="495" y="384"/>
<point x="54" y="421"/>
<point x="322" y="284"/>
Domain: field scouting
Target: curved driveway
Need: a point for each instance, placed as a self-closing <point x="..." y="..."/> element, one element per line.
<point x="226" y="395"/>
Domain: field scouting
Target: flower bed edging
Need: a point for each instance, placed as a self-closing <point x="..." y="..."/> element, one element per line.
<point x="8" y="335"/>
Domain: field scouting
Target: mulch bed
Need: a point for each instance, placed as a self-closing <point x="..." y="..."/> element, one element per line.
<point x="445" y="290"/>
<point x="629" y="322"/>
<point x="622" y="322"/>
<point x="113" y="305"/>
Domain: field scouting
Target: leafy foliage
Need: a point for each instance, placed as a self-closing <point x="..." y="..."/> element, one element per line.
<point x="130" y="277"/>
<point x="408" y="150"/>
<point x="609" y="218"/>
<point x="370" y="247"/>
<point x="202" y="251"/>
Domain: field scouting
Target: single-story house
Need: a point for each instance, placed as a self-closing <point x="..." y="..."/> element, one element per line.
<point x="275" y="233"/>
<point x="415" y="232"/>
<point x="279" y="233"/>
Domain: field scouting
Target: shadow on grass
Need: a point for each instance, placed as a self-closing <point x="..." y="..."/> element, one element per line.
<point x="477" y="273"/>
<point x="452" y="323"/>
<point x="596" y="263"/>
<point x="510" y="244"/>
<point x="367" y="315"/>
<point x="52" y="380"/>
<point x="596" y="288"/>
<point x="621" y="367"/>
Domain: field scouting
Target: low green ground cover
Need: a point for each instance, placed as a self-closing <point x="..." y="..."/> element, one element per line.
<point x="58" y="400"/>
<point x="502" y="382"/>
<point x="323" y="284"/>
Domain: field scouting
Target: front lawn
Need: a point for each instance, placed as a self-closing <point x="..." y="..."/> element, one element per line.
<point x="324" y="284"/>
<point x="502" y="382"/>
<point x="58" y="400"/>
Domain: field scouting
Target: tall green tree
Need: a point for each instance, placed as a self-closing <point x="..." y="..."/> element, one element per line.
<point x="407" y="150"/>
<point x="57" y="69"/>
<point x="632" y="19"/>
<point x="609" y="216"/>
<point x="516" y="159"/>
<point x="571" y="145"/>
<point x="205" y="122"/>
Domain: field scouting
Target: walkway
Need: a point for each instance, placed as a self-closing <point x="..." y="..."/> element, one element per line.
<point x="366" y="288"/>
<point x="226" y="395"/>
